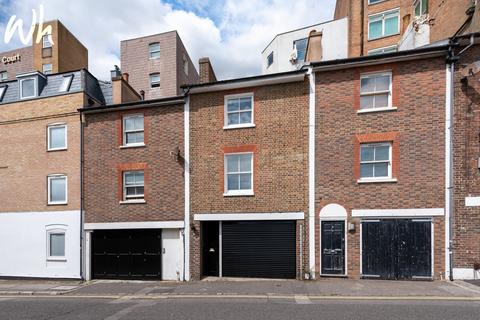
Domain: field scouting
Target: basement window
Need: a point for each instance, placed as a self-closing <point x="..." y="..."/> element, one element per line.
<point x="66" y="83"/>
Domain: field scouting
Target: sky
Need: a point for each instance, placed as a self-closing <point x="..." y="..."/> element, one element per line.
<point x="231" y="33"/>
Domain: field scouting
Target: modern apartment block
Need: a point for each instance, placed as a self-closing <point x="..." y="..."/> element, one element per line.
<point x="157" y="65"/>
<point x="56" y="53"/>
<point x="287" y="51"/>
<point x="382" y="26"/>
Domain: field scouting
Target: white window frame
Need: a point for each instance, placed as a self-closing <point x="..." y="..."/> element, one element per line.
<point x="152" y="83"/>
<point x="47" y="41"/>
<point x="372" y="3"/>
<point x="52" y="177"/>
<point x="376" y="179"/>
<point x="245" y="192"/>
<point x="35" y="87"/>
<point x="418" y="2"/>
<point x="125" y="131"/>
<point x="52" y="232"/>
<point x="381" y="16"/>
<point x="125" y="199"/>
<point x="3" y="76"/>
<point x="56" y="125"/>
<point x="390" y="91"/>
<point x="155" y="51"/>
<point x="43" y="68"/>
<point x="268" y="59"/>
<point x="66" y="83"/>
<point x="251" y="124"/>
<point x="382" y="49"/>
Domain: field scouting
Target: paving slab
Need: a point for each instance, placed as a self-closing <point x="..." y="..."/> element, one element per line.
<point x="37" y="286"/>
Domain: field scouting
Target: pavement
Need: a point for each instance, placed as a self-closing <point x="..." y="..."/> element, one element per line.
<point x="325" y="288"/>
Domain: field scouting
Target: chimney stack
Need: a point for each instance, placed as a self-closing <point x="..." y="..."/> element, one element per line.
<point x="122" y="91"/>
<point x="314" y="47"/>
<point x="125" y="76"/>
<point x="206" y="71"/>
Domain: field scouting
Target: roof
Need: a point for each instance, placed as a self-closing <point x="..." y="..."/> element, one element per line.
<point x="82" y="81"/>
<point x="167" y="101"/>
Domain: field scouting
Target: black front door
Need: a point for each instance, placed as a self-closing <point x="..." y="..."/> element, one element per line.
<point x="127" y="254"/>
<point x="210" y="248"/>
<point x="333" y="247"/>
<point x="396" y="248"/>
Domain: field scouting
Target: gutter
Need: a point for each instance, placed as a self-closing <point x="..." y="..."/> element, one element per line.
<point x="141" y="104"/>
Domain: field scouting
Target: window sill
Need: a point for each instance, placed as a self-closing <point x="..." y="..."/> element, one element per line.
<point x="57" y="203"/>
<point x="132" y="146"/>
<point x="242" y="126"/>
<point x="377" y="110"/>
<point x="243" y="194"/>
<point x="382" y="180"/>
<point x="58" y="149"/>
<point x="57" y="259"/>
<point x="132" y="202"/>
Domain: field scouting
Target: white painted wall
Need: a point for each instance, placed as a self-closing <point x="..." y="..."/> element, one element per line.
<point x="412" y="39"/>
<point x="172" y="255"/>
<point x="334" y="45"/>
<point x="23" y="244"/>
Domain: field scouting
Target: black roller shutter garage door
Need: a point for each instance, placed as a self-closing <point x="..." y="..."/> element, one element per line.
<point x="261" y="249"/>
<point x="127" y="254"/>
<point x="396" y="248"/>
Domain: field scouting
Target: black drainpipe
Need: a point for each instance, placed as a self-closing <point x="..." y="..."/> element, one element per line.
<point x="362" y="25"/>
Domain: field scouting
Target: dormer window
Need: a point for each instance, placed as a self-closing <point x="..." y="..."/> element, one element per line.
<point x="66" y="83"/>
<point x="3" y="89"/>
<point x="28" y="88"/>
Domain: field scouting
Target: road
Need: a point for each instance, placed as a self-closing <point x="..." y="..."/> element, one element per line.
<point x="232" y="308"/>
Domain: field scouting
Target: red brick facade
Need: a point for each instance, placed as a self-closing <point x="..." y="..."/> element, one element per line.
<point x="105" y="161"/>
<point x="416" y="130"/>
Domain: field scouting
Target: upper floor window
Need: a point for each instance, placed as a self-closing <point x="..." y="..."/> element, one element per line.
<point x="270" y="59"/>
<point x="47" y="41"/>
<point x="375" y="161"/>
<point x="56" y="137"/>
<point x="375" y="1"/>
<point x="154" y="80"/>
<point x="133" y="130"/>
<point x="3" y="90"/>
<point x="28" y="88"/>
<point x="239" y="111"/>
<point x="420" y="7"/>
<point x="3" y="76"/>
<point x="382" y="50"/>
<point x="384" y="24"/>
<point x="133" y="186"/>
<point x="301" y="46"/>
<point x="66" y="83"/>
<point x="376" y="91"/>
<point x="239" y="174"/>
<point x="47" y="68"/>
<point x="57" y="189"/>
<point x="154" y="50"/>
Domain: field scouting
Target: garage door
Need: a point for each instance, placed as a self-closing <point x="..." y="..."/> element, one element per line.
<point x="396" y="248"/>
<point x="262" y="249"/>
<point x="127" y="254"/>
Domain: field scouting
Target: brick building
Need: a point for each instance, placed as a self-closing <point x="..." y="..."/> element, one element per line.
<point x="158" y="64"/>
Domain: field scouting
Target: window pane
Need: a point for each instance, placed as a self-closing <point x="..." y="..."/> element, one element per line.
<point x="366" y="102"/>
<point x="129" y="178"/>
<point x="301" y="49"/>
<point x="57" y="190"/>
<point x="391" y="25"/>
<point x="233" y="182"/>
<point x="139" y="178"/>
<point x="417" y="9"/>
<point x="246" y="117"/>
<point x="139" y="123"/>
<point x="57" y="245"/>
<point x="245" y="162"/>
<point x="382" y="83"/>
<point x="366" y="170"/>
<point x="381" y="170"/>
<point x="382" y="153"/>
<point x="28" y="88"/>
<point x="134" y="137"/>
<point x="233" y="105"/>
<point x="366" y="153"/>
<point x="129" y="124"/>
<point x="375" y="29"/>
<point x="66" y="82"/>
<point x="245" y="103"/>
<point x="233" y="118"/>
<point x="57" y="137"/>
<point x="245" y="181"/>
<point x="381" y="100"/>
<point x="232" y="163"/>
<point x="367" y="84"/>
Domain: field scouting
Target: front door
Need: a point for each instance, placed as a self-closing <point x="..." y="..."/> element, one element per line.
<point x="210" y="248"/>
<point x="333" y="247"/>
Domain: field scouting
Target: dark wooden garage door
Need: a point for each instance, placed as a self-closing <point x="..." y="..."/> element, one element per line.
<point x="127" y="254"/>
<point x="262" y="249"/>
<point x="396" y="248"/>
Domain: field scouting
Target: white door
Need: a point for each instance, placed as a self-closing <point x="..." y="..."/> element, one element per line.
<point x="172" y="258"/>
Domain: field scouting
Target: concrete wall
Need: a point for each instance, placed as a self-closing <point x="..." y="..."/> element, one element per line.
<point x="23" y="249"/>
<point x="334" y="45"/>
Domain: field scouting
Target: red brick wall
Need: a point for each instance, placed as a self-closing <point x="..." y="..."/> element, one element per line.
<point x="416" y="129"/>
<point x="105" y="161"/>
<point x="280" y="145"/>
<point x="466" y="226"/>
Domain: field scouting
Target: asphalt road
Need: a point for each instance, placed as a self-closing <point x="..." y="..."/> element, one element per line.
<point x="232" y="308"/>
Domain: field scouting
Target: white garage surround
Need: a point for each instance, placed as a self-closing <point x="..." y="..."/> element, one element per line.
<point x="23" y="244"/>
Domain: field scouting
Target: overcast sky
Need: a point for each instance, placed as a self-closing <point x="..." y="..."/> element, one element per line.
<point x="231" y="33"/>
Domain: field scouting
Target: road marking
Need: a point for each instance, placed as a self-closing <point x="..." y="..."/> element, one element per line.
<point x="120" y="314"/>
<point x="302" y="299"/>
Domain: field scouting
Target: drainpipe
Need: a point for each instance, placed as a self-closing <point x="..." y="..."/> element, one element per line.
<point x="311" y="173"/>
<point x="186" y="164"/>
<point x="82" y="275"/>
